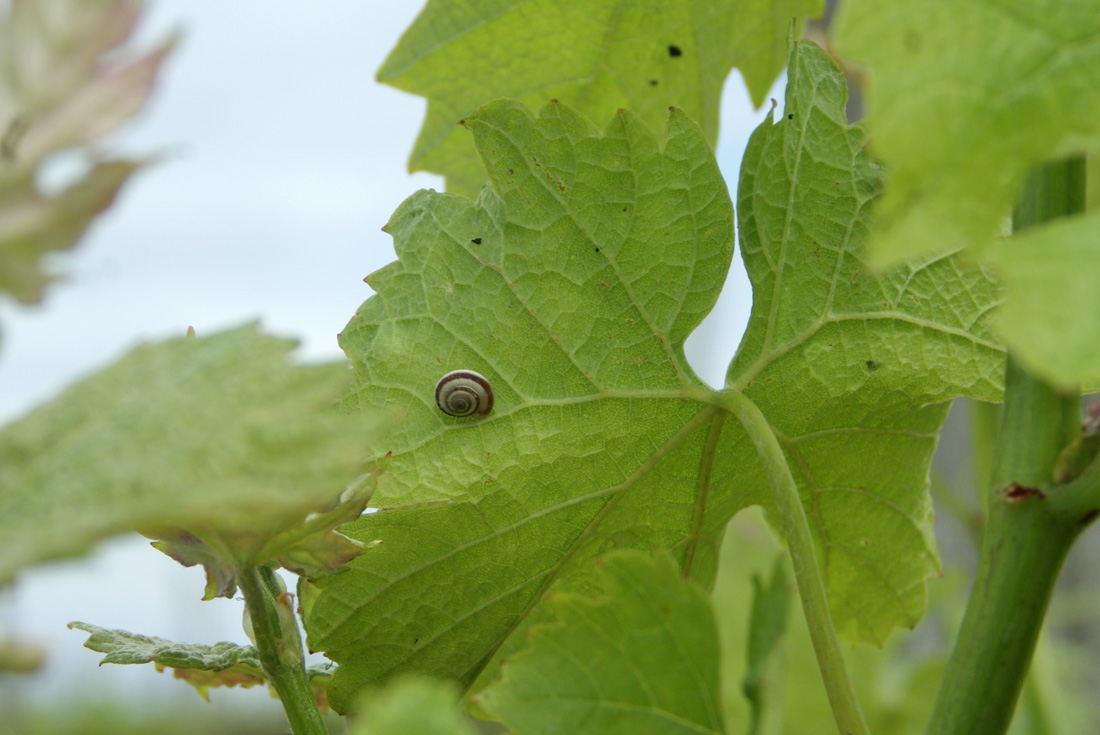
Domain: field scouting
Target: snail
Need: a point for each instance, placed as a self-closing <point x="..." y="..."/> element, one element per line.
<point x="464" y="393"/>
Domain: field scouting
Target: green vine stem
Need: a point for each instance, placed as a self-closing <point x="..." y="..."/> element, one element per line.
<point x="807" y="573"/>
<point x="279" y="646"/>
<point x="1031" y="523"/>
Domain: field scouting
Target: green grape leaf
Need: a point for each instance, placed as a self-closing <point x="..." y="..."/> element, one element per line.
<point x="571" y="285"/>
<point x="1052" y="319"/>
<point x="965" y="97"/>
<point x="62" y="85"/>
<point x="213" y="439"/>
<point x="852" y="370"/>
<point x="411" y="705"/>
<point x="642" y="657"/>
<point x="202" y="666"/>
<point x="596" y="56"/>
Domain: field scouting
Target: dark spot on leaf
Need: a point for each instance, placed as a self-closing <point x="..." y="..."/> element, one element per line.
<point x="462" y="121"/>
<point x="790" y="116"/>
<point x="872" y="366"/>
<point x="476" y="241"/>
<point x="561" y="186"/>
<point x="415" y="641"/>
<point x="674" y="51"/>
<point x="624" y="209"/>
<point x="553" y="101"/>
<point x="653" y="82"/>
<point x="597" y="250"/>
<point x="603" y="284"/>
<point x="511" y="171"/>
<point x="1016" y="493"/>
<point x="535" y="161"/>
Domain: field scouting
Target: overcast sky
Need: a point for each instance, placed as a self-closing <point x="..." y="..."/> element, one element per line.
<point x="285" y="158"/>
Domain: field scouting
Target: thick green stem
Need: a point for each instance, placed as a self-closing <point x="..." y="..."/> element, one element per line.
<point x="280" y="649"/>
<point x="807" y="573"/>
<point x="1030" y="525"/>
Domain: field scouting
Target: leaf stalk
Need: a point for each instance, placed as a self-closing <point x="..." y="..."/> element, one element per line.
<point x="807" y="572"/>
<point x="279" y="646"/>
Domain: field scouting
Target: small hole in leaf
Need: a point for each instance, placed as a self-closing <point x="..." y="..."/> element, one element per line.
<point x="674" y="51"/>
<point x="597" y="250"/>
<point x="790" y="116"/>
<point x="476" y="241"/>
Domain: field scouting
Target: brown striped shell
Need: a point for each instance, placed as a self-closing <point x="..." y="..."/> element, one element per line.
<point x="464" y="393"/>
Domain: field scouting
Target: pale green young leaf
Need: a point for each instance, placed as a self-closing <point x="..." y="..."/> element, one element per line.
<point x="571" y="285"/>
<point x="411" y="705"/>
<point x="1051" y="316"/>
<point x="639" y="658"/>
<point x="63" y="84"/>
<point x="596" y="56"/>
<point x="213" y="438"/>
<point x="965" y="97"/>
<point x="202" y="666"/>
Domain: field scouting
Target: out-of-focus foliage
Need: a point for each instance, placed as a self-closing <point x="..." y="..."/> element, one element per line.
<point x="896" y="684"/>
<point x="411" y="705"/>
<point x="597" y="56"/>
<point x="219" y="444"/>
<point x="17" y="657"/>
<point x="85" y="716"/>
<point x="66" y="81"/>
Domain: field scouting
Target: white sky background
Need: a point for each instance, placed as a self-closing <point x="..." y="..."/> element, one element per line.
<point x="285" y="160"/>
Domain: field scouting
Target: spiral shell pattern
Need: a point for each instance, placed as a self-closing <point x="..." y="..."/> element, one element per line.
<point x="464" y="393"/>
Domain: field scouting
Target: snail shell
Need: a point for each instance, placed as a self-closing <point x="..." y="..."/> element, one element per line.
<point x="464" y="393"/>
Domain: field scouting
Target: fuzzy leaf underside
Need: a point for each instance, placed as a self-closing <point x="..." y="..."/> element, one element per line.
<point x="198" y="439"/>
<point x="965" y="98"/>
<point x="644" y="55"/>
<point x="61" y="86"/>
<point x="571" y="284"/>
<point x="641" y="657"/>
<point x="202" y="666"/>
<point x="853" y="371"/>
